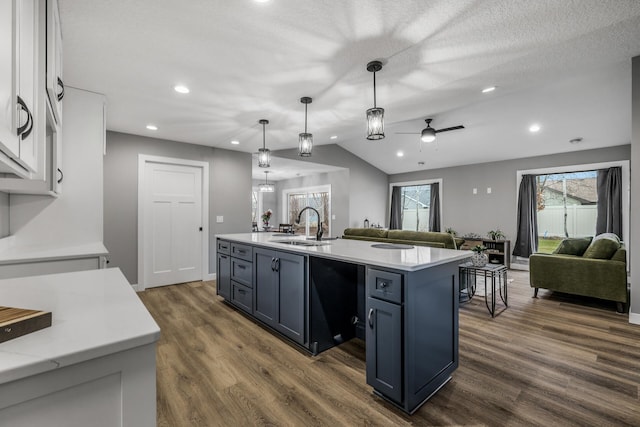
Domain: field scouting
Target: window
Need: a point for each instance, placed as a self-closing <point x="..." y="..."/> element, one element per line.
<point x="573" y="175"/>
<point x="566" y="207"/>
<point x="318" y="198"/>
<point x="415" y="207"/>
<point x="415" y="201"/>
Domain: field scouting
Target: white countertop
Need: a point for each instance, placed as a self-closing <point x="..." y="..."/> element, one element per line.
<point x="357" y="251"/>
<point x="94" y="313"/>
<point x="10" y="254"/>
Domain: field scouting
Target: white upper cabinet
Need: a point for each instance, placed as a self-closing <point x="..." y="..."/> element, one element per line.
<point x="30" y="118"/>
<point x="9" y="145"/>
<point x="26" y="62"/>
<point x="55" y="83"/>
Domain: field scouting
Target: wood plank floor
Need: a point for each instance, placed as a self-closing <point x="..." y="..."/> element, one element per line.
<point x="552" y="361"/>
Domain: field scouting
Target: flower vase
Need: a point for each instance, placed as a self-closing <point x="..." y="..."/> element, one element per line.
<point x="265" y="225"/>
<point x="479" y="259"/>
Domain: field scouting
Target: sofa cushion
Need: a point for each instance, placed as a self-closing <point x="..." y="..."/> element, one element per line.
<point x="366" y="232"/>
<point x="573" y="246"/>
<point x="602" y="248"/>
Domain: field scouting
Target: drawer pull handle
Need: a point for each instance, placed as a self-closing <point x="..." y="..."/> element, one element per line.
<point x="370" y="318"/>
<point x="242" y="291"/>
<point x="383" y="285"/>
<point x="223" y="256"/>
<point x="60" y="94"/>
<point x="241" y="267"/>
<point x="7" y="330"/>
<point x="25" y="130"/>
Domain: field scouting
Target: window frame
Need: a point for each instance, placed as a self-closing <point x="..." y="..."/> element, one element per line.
<point x="416" y="183"/>
<point x="284" y="196"/>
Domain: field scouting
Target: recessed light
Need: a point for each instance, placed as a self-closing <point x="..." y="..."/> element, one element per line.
<point x="181" y="89"/>
<point x="534" y="128"/>
<point x="488" y="89"/>
<point x="234" y="142"/>
<point x="333" y="137"/>
<point x="399" y="154"/>
<point x="152" y="127"/>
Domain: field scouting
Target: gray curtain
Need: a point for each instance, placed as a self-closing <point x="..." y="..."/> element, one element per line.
<point x="609" y="218"/>
<point x="527" y="238"/>
<point x="434" y="208"/>
<point x="396" y="209"/>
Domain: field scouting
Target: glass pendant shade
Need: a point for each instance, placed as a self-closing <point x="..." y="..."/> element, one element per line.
<point x="375" y="115"/>
<point x="305" y="145"/>
<point x="264" y="155"/>
<point x="428" y="135"/>
<point x="305" y="140"/>
<point x="266" y="187"/>
<point x="375" y="123"/>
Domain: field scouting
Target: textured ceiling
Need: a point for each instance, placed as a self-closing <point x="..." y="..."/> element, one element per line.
<point x="563" y="64"/>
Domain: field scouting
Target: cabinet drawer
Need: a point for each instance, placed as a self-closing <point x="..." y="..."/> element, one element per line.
<point x="384" y="285"/>
<point x="242" y="297"/>
<point x="241" y="251"/>
<point x="242" y="271"/>
<point x="224" y="247"/>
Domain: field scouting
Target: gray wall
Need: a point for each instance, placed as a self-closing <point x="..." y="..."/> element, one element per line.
<point x="634" y="253"/>
<point x="479" y="213"/>
<point x="368" y="186"/>
<point x="229" y="193"/>
<point x="4" y="215"/>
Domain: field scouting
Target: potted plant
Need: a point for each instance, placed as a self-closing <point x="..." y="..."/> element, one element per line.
<point x="266" y="216"/>
<point x="496" y="234"/>
<point x="479" y="258"/>
<point x="451" y="231"/>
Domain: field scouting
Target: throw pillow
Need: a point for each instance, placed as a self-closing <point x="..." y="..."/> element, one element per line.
<point x="602" y="248"/>
<point x="573" y="246"/>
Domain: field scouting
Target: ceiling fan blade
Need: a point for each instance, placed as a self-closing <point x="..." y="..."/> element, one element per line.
<point x="407" y="133"/>
<point x="451" y="128"/>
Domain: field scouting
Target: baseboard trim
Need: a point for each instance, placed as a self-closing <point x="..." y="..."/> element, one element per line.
<point x="211" y="276"/>
<point x="634" y="318"/>
<point x="517" y="266"/>
<point x="135" y="287"/>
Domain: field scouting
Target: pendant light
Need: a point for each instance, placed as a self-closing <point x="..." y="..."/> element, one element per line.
<point x="264" y="155"/>
<point x="266" y="187"/>
<point x="305" y="139"/>
<point x="375" y="115"/>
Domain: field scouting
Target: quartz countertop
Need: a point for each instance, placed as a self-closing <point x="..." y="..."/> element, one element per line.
<point x="94" y="313"/>
<point x="10" y="254"/>
<point x="357" y="251"/>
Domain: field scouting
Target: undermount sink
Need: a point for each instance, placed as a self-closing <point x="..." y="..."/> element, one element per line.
<point x="301" y="242"/>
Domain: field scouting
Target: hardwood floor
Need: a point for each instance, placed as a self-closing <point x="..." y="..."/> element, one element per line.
<point x="555" y="360"/>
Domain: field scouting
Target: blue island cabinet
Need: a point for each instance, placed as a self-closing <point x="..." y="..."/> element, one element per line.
<point x="280" y="289"/>
<point x="412" y="332"/>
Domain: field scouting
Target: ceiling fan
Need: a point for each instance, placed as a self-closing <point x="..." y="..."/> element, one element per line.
<point x="428" y="134"/>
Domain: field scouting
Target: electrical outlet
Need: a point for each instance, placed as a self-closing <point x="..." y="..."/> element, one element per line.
<point x="488" y="190"/>
<point x="475" y="191"/>
<point x="219" y="219"/>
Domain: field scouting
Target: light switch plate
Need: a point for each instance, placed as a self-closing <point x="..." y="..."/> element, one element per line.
<point x="488" y="190"/>
<point x="219" y="219"/>
<point x="475" y="191"/>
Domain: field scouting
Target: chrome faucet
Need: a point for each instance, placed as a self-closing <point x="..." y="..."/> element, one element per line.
<point x="319" y="232"/>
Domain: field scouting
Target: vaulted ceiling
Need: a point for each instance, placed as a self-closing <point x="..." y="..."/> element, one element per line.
<point x="562" y="64"/>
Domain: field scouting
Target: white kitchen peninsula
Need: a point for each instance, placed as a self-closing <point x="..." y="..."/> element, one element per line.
<point x="94" y="366"/>
<point x="403" y="300"/>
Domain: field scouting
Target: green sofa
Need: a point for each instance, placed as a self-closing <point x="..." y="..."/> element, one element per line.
<point x="418" y="238"/>
<point x="578" y="267"/>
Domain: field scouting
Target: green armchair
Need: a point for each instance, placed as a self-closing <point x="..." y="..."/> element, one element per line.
<point x="582" y="271"/>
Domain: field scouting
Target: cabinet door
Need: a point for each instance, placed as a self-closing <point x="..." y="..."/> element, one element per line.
<point x="55" y="85"/>
<point x="384" y="348"/>
<point x="8" y="138"/>
<point x="265" y="286"/>
<point x="223" y="276"/>
<point x="292" y="285"/>
<point x="26" y="81"/>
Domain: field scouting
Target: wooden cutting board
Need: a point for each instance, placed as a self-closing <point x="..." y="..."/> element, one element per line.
<point x="15" y="322"/>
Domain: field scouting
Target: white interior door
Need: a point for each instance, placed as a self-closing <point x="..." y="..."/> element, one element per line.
<point x="172" y="224"/>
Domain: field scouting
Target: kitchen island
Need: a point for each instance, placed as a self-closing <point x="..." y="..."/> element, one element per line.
<point x="94" y="366"/>
<point x="402" y="300"/>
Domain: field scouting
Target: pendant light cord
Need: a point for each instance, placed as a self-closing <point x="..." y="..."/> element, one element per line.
<point x="263" y="138"/>
<point x="374" y="90"/>
<point x="305" y="118"/>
